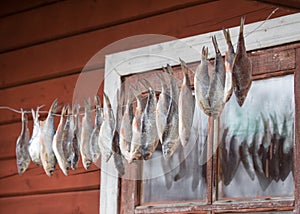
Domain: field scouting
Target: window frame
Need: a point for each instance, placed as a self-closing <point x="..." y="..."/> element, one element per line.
<point x="122" y="196"/>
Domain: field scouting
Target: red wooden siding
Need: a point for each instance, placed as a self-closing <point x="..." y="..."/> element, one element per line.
<point x="43" y="47"/>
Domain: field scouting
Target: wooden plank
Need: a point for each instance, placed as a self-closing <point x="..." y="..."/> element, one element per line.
<point x="28" y="28"/>
<point x="66" y="89"/>
<point x="71" y="202"/>
<point x="297" y="134"/>
<point x="291" y="4"/>
<point x="9" y="7"/>
<point x="69" y="55"/>
<point x="189" y="48"/>
<point x="35" y="181"/>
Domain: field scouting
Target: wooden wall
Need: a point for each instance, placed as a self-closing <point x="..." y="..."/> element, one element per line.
<point x="44" y="44"/>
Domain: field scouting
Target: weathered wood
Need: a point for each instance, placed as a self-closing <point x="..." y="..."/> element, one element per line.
<point x="297" y="134"/>
<point x="77" y="86"/>
<point x="291" y="4"/>
<point x="209" y="166"/>
<point x="9" y="7"/>
<point x="35" y="181"/>
<point x="70" y="202"/>
<point x="69" y="55"/>
<point x="28" y="28"/>
<point x="237" y="206"/>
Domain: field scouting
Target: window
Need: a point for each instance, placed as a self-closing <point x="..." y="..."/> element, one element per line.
<point x="272" y="102"/>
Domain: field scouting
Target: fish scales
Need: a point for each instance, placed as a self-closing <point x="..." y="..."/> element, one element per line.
<point x="107" y="130"/>
<point x="34" y="143"/>
<point x="186" y="107"/>
<point x="57" y="144"/>
<point x="217" y="84"/>
<point x="149" y="135"/>
<point x="22" y="153"/>
<point x="201" y="82"/>
<point x="86" y="132"/>
<point x="47" y="133"/>
<point x="242" y="69"/>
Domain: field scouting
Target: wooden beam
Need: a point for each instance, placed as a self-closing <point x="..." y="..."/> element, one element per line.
<point x="290" y="4"/>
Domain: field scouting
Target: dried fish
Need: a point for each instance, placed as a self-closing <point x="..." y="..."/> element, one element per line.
<point x="242" y="70"/>
<point x="57" y="144"/>
<point x="126" y="128"/>
<point x="162" y="107"/>
<point x="47" y="133"/>
<point x="217" y="84"/>
<point x="76" y="138"/>
<point x="229" y="56"/>
<point x="86" y="132"/>
<point x="170" y="137"/>
<point x="201" y="82"/>
<point x="149" y="135"/>
<point x="95" y="133"/>
<point x="22" y="153"/>
<point x="186" y="106"/>
<point x="34" y="143"/>
<point x="117" y="155"/>
<point x="107" y="130"/>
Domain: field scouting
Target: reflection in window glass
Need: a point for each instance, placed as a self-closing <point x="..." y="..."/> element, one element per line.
<point x="256" y="142"/>
<point x="183" y="177"/>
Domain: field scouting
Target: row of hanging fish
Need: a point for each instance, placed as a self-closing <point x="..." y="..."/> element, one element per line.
<point x="266" y="154"/>
<point x="167" y="120"/>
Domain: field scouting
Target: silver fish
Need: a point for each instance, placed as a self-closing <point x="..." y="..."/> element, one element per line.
<point x="229" y="56"/>
<point x="136" y="143"/>
<point x="107" y="130"/>
<point x="47" y="133"/>
<point x="95" y="133"/>
<point x="242" y="69"/>
<point x="201" y="82"/>
<point x="148" y="128"/>
<point x="126" y="128"/>
<point x="217" y="83"/>
<point x="162" y="107"/>
<point x="22" y="154"/>
<point x="186" y="106"/>
<point x="170" y="138"/>
<point x="57" y="144"/>
<point x="34" y="143"/>
<point x="76" y="138"/>
<point x="67" y="137"/>
<point x="86" y="132"/>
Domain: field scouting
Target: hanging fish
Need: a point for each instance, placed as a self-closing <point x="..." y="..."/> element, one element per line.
<point x="107" y="130"/>
<point x="76" y="138"/>
<point x="274" y="150"/>
<point x="149" y="135"/>
<point x="242" y="69"/>
<point x="86" y="132"/>
<point x="201" y="82"/>
<point x="170" y="137"/>
<point x="126" y="128"/>
<point x="136" y="143"/>
<point x="34" y="143"/>
<point x="22" y="153"/>
<point x="162" y="107"/>
<point x="229" y="56"/>
<point x="246" y="159"/>
<point x="217" y="84"/>
<point x="186" y="106"/>
<point x="57" y="143"/>
<point x="47" y="133"/>
<point x="95" y="133"/>
<point x="67" y="137"/>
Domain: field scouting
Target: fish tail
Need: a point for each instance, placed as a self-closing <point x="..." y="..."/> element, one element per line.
<point x="242" y="24"/>
<point x="169" y="69"/>
<point x="54" y="107"/>
<point x="215" y="43"/>
<point x="97" y="100"/>
<point x="108" y="104"/>
<point x="87" y="104"/>
<point x="184" y="67"/>
<point x="204" y="52"/>
<point x="227" y="36"/>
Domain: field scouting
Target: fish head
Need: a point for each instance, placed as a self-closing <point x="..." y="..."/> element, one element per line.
<point x="22" y="166"/>
<point x="240" y="97"/>
<point x="147" y="155"/>
<point x="87" y="164"/>
<point x="168" y="150"/>
<point x="49" y="171"/>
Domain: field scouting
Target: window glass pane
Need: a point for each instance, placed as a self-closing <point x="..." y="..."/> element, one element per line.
<point x="256" y="142"/>
<point x="179" y="179"/>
